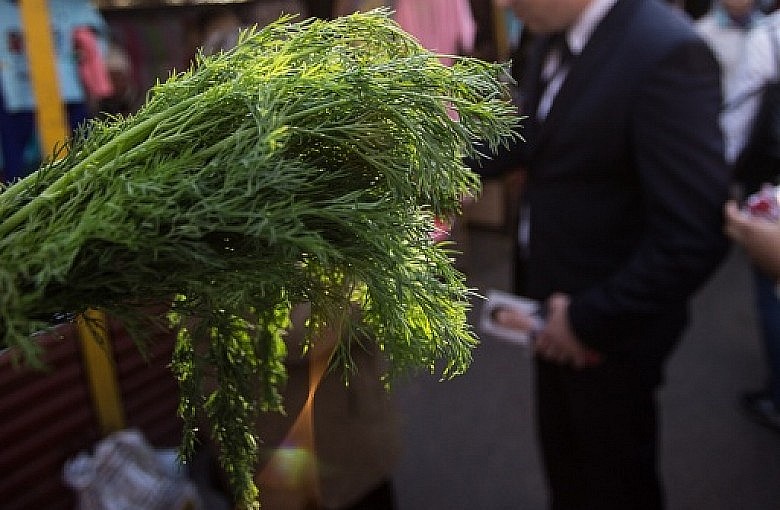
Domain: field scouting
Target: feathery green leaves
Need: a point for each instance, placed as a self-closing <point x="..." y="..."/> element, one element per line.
<point x="306" y="164"/>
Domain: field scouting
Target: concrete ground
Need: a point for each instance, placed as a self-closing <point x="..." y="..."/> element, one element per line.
<point x="469" y="442"/>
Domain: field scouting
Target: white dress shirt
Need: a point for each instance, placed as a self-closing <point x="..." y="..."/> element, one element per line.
<point x="576" y="37"/>
<point x="759" y="65"/>
<point x="726" y="37"/>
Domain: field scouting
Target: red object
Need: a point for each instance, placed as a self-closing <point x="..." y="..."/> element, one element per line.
<point x="92" y="68"/>
<point x="441" y="230"/>
<point x="764" y="203"/>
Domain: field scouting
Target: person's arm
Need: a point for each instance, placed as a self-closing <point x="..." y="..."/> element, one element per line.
<point x="499" y="162"/>
<point x="759" y="236"/>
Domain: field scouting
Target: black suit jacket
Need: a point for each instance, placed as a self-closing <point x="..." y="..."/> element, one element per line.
<point x="627" y="180"/>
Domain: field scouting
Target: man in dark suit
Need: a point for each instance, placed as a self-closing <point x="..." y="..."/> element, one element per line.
<point x="621" y="224"/>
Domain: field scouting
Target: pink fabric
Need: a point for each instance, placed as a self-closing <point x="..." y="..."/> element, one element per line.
<point x="446" y="27"/>
<point x="441" y="230"/>
<point x="92" y="68"/>
<point x="442" y="26"/>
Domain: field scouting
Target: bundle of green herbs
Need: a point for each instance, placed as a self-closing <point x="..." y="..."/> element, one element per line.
<point x="304" y="165"/>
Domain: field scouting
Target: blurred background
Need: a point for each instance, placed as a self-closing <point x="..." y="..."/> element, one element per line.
<point x="467" y="443"/>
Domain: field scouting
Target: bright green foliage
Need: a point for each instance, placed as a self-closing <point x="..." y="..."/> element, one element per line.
<point x="306" y="164"/>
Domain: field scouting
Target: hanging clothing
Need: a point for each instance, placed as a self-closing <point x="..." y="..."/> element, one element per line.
<point x="443" y="26"/>
<point x="65" y="16"/>
<point x="93" y="71"/>
<point x="18" y="142"/>
<point x="726" y="36"/>
<point x="446" y="27"/>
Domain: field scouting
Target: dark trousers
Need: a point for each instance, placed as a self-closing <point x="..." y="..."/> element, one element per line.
<point x="597" y="429"/>
<point x="382" y="497"/>
<point x="768" y="307"/>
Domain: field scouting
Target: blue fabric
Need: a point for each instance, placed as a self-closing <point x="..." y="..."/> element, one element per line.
<point x="18" y="140"/>
<point x="65" y="16"/>
<point x="768" y="307"/>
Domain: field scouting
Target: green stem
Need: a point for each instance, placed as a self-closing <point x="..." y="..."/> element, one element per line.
<point x="138" y="131"/>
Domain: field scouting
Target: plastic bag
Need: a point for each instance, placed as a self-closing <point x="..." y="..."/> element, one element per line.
<point x="126" y="473"/>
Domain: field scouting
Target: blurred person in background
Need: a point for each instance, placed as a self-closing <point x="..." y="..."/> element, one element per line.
<point x="725" y="27"/>
<point x="759" y="67"/>
<point x="694" y="8"/>
<point x="621" y="224"/>
<point x="445" y="27"/>
<point x="77" y="35"/>
<point x="125" y="97"/>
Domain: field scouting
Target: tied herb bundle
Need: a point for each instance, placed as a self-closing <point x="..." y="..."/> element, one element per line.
<point x="305" y="164"/>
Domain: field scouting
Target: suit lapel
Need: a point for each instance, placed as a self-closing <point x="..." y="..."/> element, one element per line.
<point x="531" y="82"/>
<point x="594" y="56"/>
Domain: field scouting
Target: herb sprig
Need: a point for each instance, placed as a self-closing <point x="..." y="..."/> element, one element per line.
<point x="305" y="164"/>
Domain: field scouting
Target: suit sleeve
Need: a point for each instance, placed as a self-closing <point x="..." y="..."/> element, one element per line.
<point x="503" y="159"/>
<point x="679" y="162"/>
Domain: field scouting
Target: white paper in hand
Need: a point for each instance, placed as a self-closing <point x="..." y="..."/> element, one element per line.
<point x="527" y="308"/>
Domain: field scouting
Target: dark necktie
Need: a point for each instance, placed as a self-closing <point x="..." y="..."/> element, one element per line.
<point x="557" y="45"/>
<point x="557" y="56"/>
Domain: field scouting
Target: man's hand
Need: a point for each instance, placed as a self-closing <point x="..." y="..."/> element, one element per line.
<point x="557" y="342"/>
<point x="514" y="318"/>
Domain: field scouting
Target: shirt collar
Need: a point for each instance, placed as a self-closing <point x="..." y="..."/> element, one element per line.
<point x="578" y="34"/>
